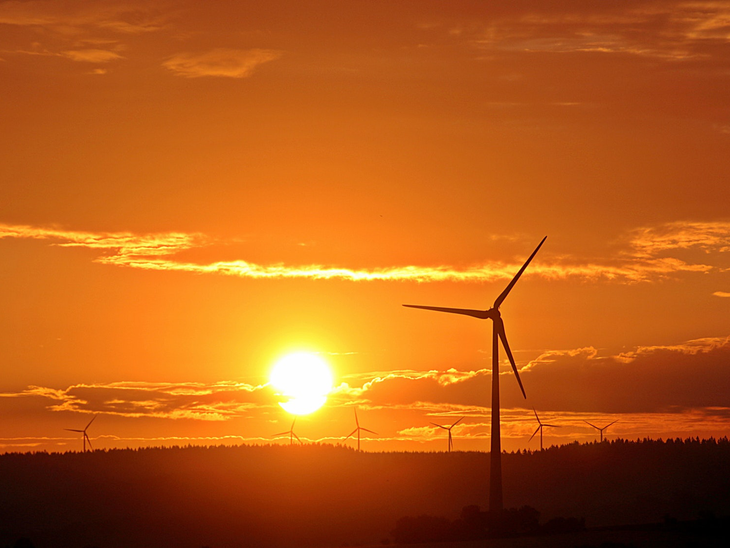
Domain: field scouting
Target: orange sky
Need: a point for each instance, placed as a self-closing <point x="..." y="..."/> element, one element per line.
<point x="190" y="190"/>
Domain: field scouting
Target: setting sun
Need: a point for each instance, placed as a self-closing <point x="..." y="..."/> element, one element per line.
<point x="304" y="379"/>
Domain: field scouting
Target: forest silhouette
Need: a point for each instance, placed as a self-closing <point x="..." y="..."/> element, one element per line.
<point x="324" y="495"/>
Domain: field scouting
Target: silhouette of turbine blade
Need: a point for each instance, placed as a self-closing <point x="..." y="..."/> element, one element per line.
<point x="73" y="430"/>
<point x="352" y="434"/>
<point x="499" y="324"/>
<point x="89" y="440"/>
<point x="281" y="434"/>
<point x="538" y="418"/>
<point x="457" y="422"/>
<point x="534" y="434"/>
<point x="481" y="314"/>
<point x="297" y="437"/>
<point x="593" y="425"/>
<point x="357" y="422"/>
<point x="366" y="430"/>
<point x="92" y="420"/>
<point x="609" y="424"/>
<point x="551" y="425"/>
<point x="509" y="287"/>
<point x="439" y="426"/>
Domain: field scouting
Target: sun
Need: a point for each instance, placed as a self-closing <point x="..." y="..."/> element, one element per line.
<point x="304" y="379"/>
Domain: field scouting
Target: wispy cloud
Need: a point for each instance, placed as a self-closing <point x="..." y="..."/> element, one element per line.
<point x="706" y="236"/>
<point x="72" y="18"/>
<point x="673" y="30"/>
<point x="228" y="63"/>
<point x="92" y="55"/>
<point x="643" y="259"/>
<point x="197" y="401"/>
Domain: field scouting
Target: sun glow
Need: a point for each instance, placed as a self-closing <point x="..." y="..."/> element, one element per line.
<point x="304" y="379"/>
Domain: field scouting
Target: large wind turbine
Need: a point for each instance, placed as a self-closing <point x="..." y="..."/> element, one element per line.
<point x="539" y="428"/>
<point x="498" y="334"/>
<point x="357" y="430"/>
<point x="84" y="435"/>
<point x="601" y="429"/>
<point x="448" y="428"/>
<point x="291" y="433"/>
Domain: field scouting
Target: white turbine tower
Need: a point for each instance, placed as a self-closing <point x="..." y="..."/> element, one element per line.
<point x="498" y="334"/>
<point x="357" y="430"/>
<point x="448" y="429"/>
<point x="540" y="427"/>
<point x="291" y="433"/>
<point x="600" y="430"/>
<point x="84" y="435"/>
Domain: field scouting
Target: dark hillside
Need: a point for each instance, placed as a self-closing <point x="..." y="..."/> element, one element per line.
<point x="327" y="496"/>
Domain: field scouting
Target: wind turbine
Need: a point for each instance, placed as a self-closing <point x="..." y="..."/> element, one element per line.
<point x="448" y="428"/>
<point x="357" y="429"/>
<point x="498" y="334"/>
<point x="84" y="435"/>
<point x="601" y="429"/>
<point x="539" y="428"/>
<point x="291" y="433"/>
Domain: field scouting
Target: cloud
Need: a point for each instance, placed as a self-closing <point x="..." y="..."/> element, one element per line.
<point x="646" y="379"/>
<point x="721" y="294"/>
<point x="71" y="18"/>
<point x="229" y="63"/>
<point x="642" y="260"/>
<point x="197" y="401"/>
<point x="706" y="236"/>
<point x="92" y="55"/>
<point x="673" y="30"/>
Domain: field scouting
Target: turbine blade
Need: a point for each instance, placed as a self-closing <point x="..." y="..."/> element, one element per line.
<point x="92" y="420"/>
<point x="280" y="434"/>
<point x="534" y="433"/>
<point x="552" y="425"/>
<point x="352" y="434"/>
<point x="481" y="314"/>
<point x="357" y="422"/>
<point x="439" y="426"/>
<point x="499" y="324"/>
<point x="73" y="430"/>
<point x="593" y="425"/>
<point x="297" y="437"/>
<point x="509" y="287"/>
<point x="366" y="430"/>
<point x="538" y="418"/>
<point x="457" y="422"/>
<point x="89" y="440"/>
<point x="609" y="424"/>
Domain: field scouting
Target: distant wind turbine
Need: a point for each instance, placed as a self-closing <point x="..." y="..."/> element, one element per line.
<point x="357" y="430"/>
<point x="498" y="334"/>
<point x="84" y="435"/>
<point x="601" y="429"/>
<point x="291" y="433"/>
<point x="539" y="428"/>
<point x="448" y="428"/>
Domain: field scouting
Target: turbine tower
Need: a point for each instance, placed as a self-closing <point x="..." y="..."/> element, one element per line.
<point x="357" y="430"/>
<point x="539" y="428"/>
<point x="448" y="428"/>
<point x="498" y="334"/>
<point x="601" y="429"/>
<point x="84" y="435"/>
<point x="291" y="433"/>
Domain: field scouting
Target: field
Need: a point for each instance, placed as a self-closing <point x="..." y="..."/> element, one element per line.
<point x="323" y="495"/>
